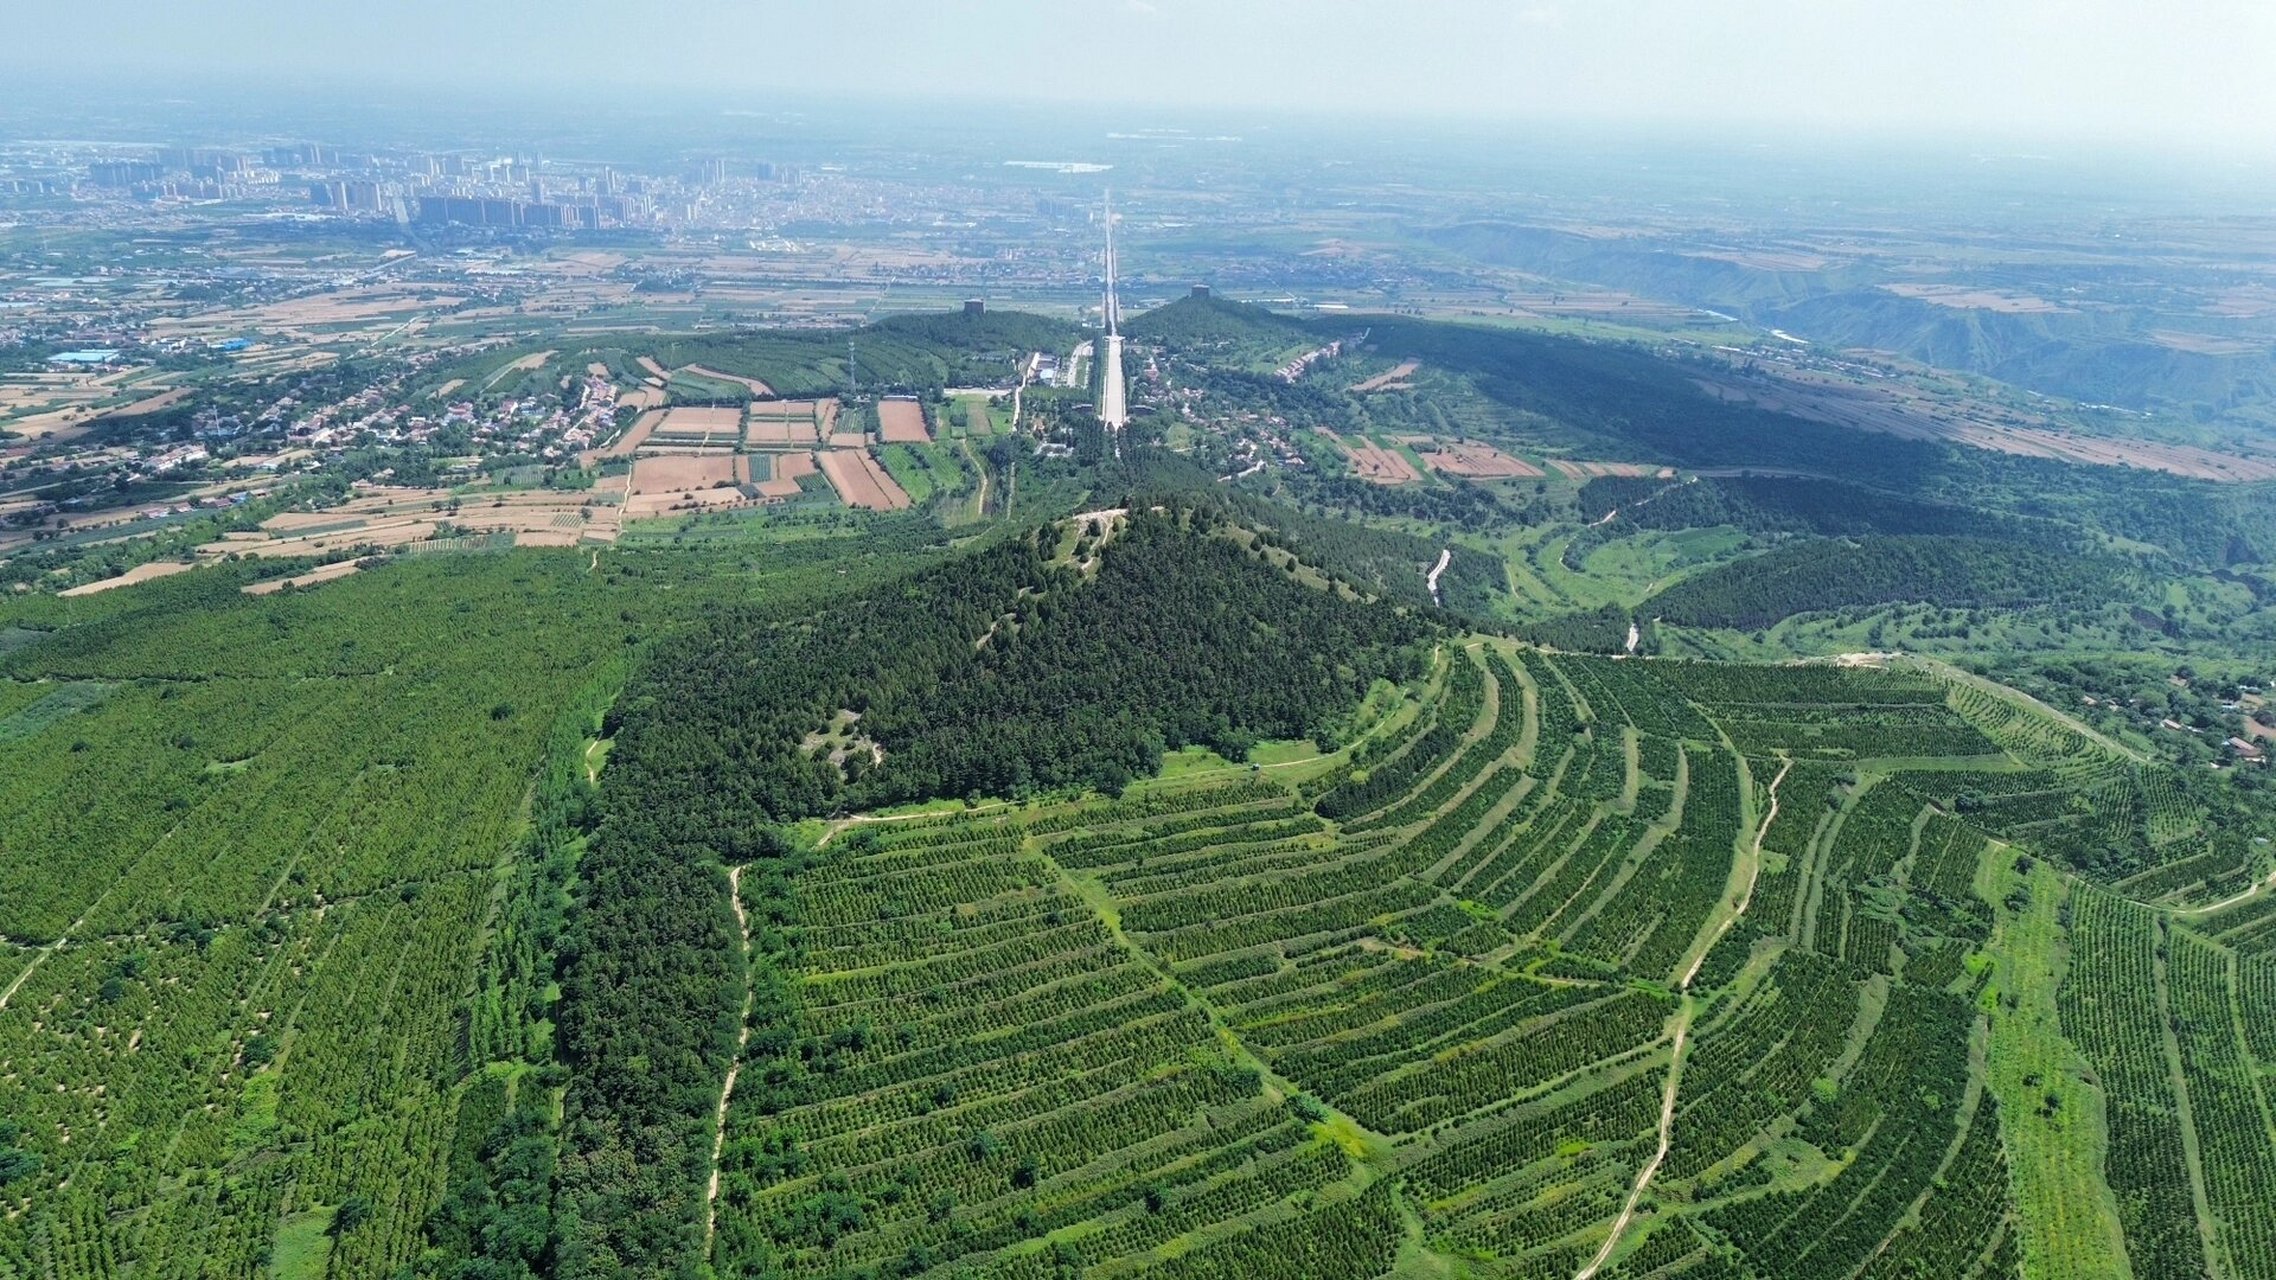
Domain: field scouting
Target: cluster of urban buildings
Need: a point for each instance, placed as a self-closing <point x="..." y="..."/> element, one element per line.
<point x="407" y="187"/>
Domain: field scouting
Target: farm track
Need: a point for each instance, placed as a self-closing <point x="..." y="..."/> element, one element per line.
<point x="2257" y="888"/>
<point x="1683" y="1021"/>
<point x="727" y="1089"/>
<point x="1992" y="688"/>
<point x="1614" y="514"/>
<point x="1242" y="929"/>
<point x="979" y="502"/>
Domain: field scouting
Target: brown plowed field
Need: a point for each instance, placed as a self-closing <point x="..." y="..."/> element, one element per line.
<point x="788" y="421"/>
<point x="700" y="421"/>
<point x="681" y="474"/>
<point x="902" y="422"/>
<point x="389" y="517"/>
<point x="699" y="426"/>
<point x="765" y="433"/>
<point x="139" y="573"/>
<point x="163" y="400"/>
<point x="1470" y="458"/>
<point x="661" y="484"/>
<point x="1374" y="462"/>
<point x="1591" y="470"/>
<point x="860" y="482"/>
<point x="783" y="422"/>
<point x="799" y="409"/>
<point x="1396" y="379"/>
<point x="788" y="467"/>
<point x="323" y="573"/>
<point x="635" y="437"/>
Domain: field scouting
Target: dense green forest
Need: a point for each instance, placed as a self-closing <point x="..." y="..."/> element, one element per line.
<point x="1783" y="504"/>
<point x="916" y="353"/>
<point x="1016" y="669"/>
<point x="1831" y="574"/>
<point x="1624" y="400"/>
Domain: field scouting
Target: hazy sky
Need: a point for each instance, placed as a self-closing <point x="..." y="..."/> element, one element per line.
<point x="2132" y="71"/>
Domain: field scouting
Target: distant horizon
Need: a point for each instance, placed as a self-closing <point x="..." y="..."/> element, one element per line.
<point x="2109" y="74"/>
<point x="290" y="104"/>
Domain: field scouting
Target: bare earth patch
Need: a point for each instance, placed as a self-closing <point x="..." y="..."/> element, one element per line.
<point x="860" y="482"/>
<point x="1374" y="462"/>
<point x="1396" y="379"/>
<point x="139" y="573"/>
<point x="902" y="422"/>
<point x="1471" y="458"/>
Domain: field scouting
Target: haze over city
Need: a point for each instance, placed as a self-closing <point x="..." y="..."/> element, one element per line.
<point x="2191" y="73"/>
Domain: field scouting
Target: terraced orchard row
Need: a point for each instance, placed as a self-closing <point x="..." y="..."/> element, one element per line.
<point x="1569" y="965"/>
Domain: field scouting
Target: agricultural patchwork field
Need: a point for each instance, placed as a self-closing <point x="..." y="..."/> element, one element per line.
<point x="790" y="422"/>
<point x="1470" y="458"/>
<point x="700" y="426"/>
<point x="679" y="481"/>
<point x="1572" y="470"/>
<point x="1372" y="461"/>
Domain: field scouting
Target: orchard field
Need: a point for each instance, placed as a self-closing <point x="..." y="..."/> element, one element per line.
<point x="367" y="930"/>
<point x="1572" y="966"/>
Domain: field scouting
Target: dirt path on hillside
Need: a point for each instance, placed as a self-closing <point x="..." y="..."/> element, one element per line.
<point x="727" y="1090"/>
<point x="1682" y="1038"/>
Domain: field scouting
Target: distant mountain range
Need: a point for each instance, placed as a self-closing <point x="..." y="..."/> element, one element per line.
<point x="2142" y="336"/>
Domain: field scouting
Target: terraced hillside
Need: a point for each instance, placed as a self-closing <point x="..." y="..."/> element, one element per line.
<point x="321" y="954"/>
<point x="1572" y="966"/>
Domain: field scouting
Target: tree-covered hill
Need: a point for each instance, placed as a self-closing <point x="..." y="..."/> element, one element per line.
<point x="1819" y="574"/>
<point x="1014" y="668"/>
<point x="1007" y="670"/>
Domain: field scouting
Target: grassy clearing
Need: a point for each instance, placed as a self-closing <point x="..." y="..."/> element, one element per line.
<point x="304" y="1246"/>
<point x="2055" y="1132"/>
<point x="56" y="703"/>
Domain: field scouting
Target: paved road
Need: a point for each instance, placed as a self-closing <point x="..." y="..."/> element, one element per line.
<point x="1113" y="404"/>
